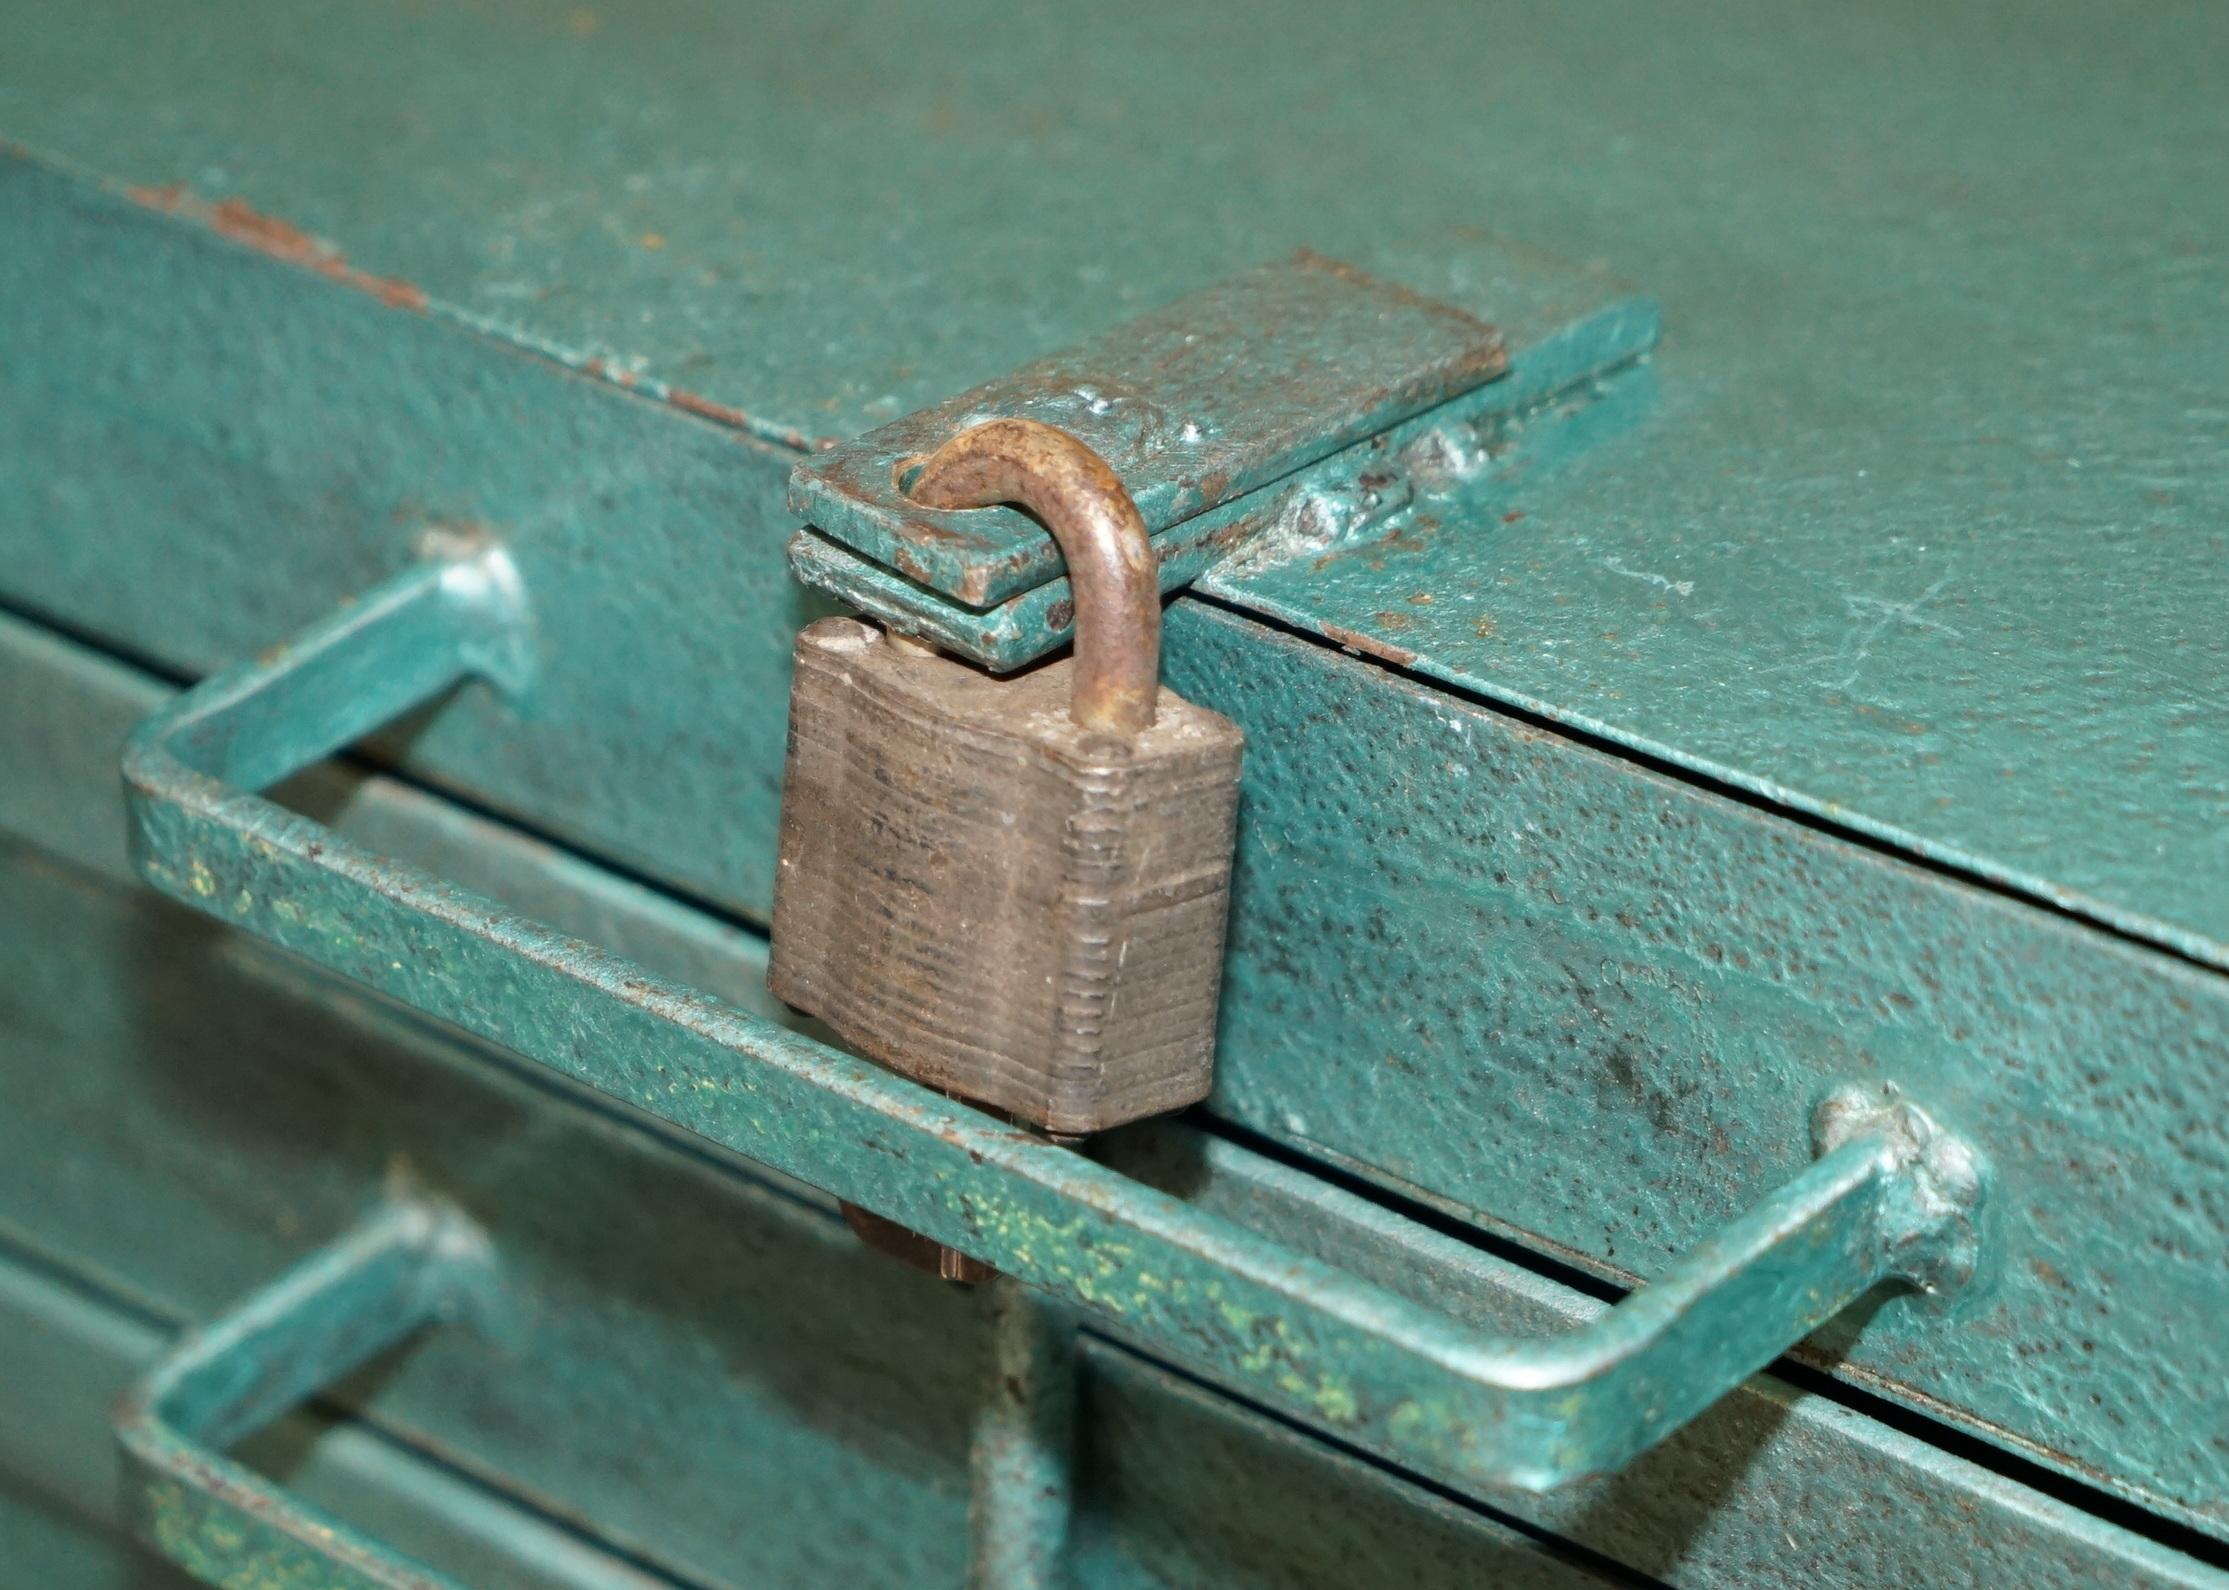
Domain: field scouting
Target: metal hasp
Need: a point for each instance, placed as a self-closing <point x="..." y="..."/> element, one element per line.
<point x="1890" y="1197"/>
<point x="1306" y="397"/>
<point x="408" y="1265"/>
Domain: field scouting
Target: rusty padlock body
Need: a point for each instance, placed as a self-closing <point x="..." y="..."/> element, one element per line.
<point x="981" y="891"/>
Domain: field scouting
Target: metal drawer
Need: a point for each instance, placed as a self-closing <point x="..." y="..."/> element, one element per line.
<point x="723" y="1335"/>
<point x="1737" y="737"/>
<point x="704" y="1374"/>
<point x="190" y="1115"/>
<point x="1671" y="977"/>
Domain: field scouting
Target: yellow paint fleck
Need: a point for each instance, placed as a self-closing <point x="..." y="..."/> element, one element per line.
<point x="1336" y="1402"/>
<point x="204" y="881"/>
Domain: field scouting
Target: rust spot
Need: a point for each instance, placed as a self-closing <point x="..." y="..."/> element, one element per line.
<point x="237" y="220"/>
<point x="1060" y="615"/>
<point x="233" y="218"/>
<point x="1483" y="629"/>
<point x="1368" y="646"/>
<point x="1512" y="516"/>
<point x="1393" y="621"/>
<point x="703" y="407"/>
<point x="720" y="414"/>
<point x="930" y="530"/>
<point x="1487" y="356"/>
<point x="1421" y="599"/>
<point x="1227" y="536"/>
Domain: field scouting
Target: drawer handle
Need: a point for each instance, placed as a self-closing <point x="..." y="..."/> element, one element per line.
<point x="1889" y="1197"/>
<point x="407" y="1265"/>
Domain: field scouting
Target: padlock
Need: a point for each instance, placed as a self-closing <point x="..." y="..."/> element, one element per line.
<point x="1014" y="890"/>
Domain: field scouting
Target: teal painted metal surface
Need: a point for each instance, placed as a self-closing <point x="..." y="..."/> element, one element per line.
<point x="1568" y="331"/>
<point x="1935" y="340"/>
<point x="1889" y="1198"/>
<point x="274" y="534"/>
<point x="284" y="490"/>
<point x="1194" y="405"/>
<point x="1021" y="1463"/>
<point x="139" y="1023"/>
<point x="414" y="1263"/>
<point x="1886" y="238"/>
<point x="73" y="1351"/>
<point x="1599" y="974"/>
<point x="406" y="1266"/>
<point x="48" y="1547"/>
<point x="288" y="490"/>
<point x="81" y="1347"/>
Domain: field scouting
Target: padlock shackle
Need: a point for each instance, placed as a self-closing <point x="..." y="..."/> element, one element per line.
<point x="1112" y="568"/>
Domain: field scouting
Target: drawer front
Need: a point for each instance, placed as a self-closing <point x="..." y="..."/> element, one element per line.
<point x="673" y="1337"/>
<point x="1590" y="1007"/>
<point x="222" y="1115"/>
<point x="200" y="483"/>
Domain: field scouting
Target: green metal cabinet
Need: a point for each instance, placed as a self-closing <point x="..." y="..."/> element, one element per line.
<point x="1789" y="670"/>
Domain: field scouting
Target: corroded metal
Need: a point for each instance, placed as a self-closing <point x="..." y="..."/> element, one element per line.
<point x="1563" y="346"/>
<point x="1111" y="568"/>
<point x="1360" y="1360"/>
<point x="1194" y="405"/>
<point x="913" y="1249"/>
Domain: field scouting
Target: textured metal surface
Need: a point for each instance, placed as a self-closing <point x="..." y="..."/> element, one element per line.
<point x="1924" y="538"/>
<point x="1876" y="1207"/>
<point x="126" y="1019"/>
<point x="402" y="1268"/>
<point x="289" y="490"/>
<point x="1921" y="270"/>
<point x="1021" y="1463"/>
<point x="736" y="1353"/>
<point x="1581" y="973"/>
<point x="994" y="900"/>
<point x="1572" y="331"/>
<point x="284" y="491"/>
<point x="72" y="1350"/>
<point x="414" y="1263"/>
<point x="274" y="489"/>
<point x="1191" y="405"/>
